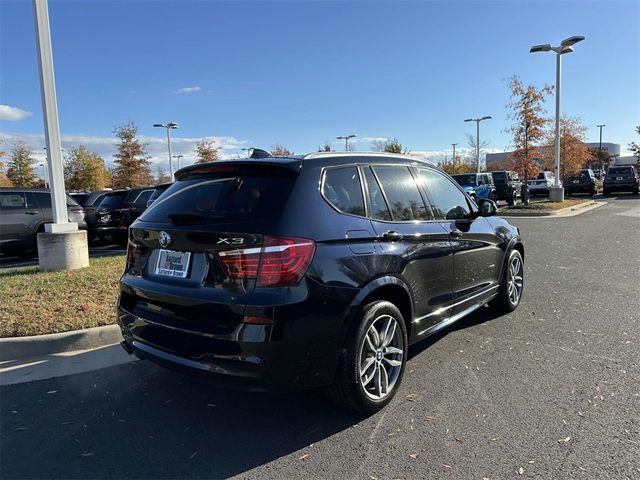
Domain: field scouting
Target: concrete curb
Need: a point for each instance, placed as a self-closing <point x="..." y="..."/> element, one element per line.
<point x="563" y="212"/>
<point x="39" y="345"/>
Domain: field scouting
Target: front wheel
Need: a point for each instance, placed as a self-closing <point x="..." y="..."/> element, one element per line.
<point x="373" y="359"/>
<point x="512" y="285"/>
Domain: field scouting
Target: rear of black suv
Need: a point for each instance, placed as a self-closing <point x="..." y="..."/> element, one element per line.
<point x="206" y="287"/>
<point x="621" y="179"/>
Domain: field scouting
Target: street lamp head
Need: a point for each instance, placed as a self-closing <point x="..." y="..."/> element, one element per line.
<point x="567" y="42"/>
<point x="566" y="50"/>
<point x="353" y="135"/>
<point x="173" y="125"/>
<point x="540" y="48"/>
<point x="159" y="125"/>
<point x="469" y="120"/>
<point x="603" y="125"/>
<point x="486" y="118"/>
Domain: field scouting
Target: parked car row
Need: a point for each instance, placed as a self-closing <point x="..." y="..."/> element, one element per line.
<point x="106" y="214"/>
<point x="497" y="185"/>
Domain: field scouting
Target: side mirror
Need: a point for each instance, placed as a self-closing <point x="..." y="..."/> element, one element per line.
<point x="488" y="207"/>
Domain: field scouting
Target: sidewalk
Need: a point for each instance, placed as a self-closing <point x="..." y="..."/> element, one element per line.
<point x="30" y="369"/>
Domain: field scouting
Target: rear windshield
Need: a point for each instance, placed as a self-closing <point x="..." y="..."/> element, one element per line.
<point x="465" y="179"/>
<point x="499" y="177"/>
<point x="222" y="198"/>
<point x="619" y="170"/>
<point x="113" y="199"/>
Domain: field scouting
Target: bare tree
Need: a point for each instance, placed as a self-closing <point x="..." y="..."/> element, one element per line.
<point x="279" y="151"/>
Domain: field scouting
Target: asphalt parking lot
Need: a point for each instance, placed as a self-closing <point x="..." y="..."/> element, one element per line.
<point x="551" y="391"/>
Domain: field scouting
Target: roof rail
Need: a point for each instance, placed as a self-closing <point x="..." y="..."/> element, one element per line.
<point x="403" y="156"/>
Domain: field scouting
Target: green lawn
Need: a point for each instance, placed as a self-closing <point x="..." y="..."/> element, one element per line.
<point x="34" y="302"/>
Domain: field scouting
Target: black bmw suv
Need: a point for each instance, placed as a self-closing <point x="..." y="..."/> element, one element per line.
<point x="314" y="271"/>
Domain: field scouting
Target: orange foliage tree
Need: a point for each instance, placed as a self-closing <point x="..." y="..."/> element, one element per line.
<point x="574" y="153"/>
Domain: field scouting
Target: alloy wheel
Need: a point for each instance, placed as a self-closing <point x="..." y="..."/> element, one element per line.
<point x="515" y="280"/>
<point x="381" y="355"/>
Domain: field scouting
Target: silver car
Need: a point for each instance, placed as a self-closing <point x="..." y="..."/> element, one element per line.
<point x="24" y="212"/>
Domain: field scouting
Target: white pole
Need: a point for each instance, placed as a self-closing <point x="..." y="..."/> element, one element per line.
<point x="478" y="144"/>
<point x="557" y="172"/>
<point x="170" y="157"/>
<point x="52" y="128"/>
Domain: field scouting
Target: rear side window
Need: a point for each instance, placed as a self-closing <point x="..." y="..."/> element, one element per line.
<point x="342" y="189"/>
<point x="223" y="198"/>
<point x="402" y="194"/>
<point x="143" y="197"/>
<point x="377" y="203"/>
<point x="447" y="201"/>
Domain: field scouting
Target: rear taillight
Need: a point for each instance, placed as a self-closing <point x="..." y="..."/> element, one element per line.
<point x="281" y="261"/>
<point x="133" y="253"/>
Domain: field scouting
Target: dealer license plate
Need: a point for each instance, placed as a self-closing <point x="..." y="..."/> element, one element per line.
<point x="173" y="264"/>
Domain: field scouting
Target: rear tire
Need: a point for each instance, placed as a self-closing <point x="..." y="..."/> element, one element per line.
<point x="373" y="359"/>
<point x="512" y="285"/>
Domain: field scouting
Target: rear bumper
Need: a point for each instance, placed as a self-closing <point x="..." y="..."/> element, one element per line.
<point x="299" y="351"/>
<point x="621" y="187"/>
<point x="581" y="187"/>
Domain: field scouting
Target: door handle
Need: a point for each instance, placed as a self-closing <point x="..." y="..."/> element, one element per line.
<point x="392" y="235"/>
<point x="32" y="212"/>
<point x="455" y="233"/>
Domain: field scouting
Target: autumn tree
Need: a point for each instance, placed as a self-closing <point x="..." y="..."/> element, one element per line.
<point x="635" y="149"/>
<point x="279" y="151"/>
<point x="528" y="122"/>
<point x="459" y="165"/>
<point x="390" y="145"/>
<point x="4" y="180"/>
<point x="326" y="147"/>
<point x="161" y="175"/>
<point x="20" y="168"/>
<point x="599" y="158"/>
<point x="85" y="170"/>
<point x="574" y="153"/>
<point x="132" y="168"/>
<point x="206" y="151"/>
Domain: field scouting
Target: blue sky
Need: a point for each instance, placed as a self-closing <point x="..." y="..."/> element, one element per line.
<point x="301" y="73"/>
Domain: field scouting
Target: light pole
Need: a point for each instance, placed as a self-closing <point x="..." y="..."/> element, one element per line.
<point x="454" y="152"/>
<point x="169" y="126"/>
<point x="44" y="174"/>
<point x="600" y="149"/>
<point x="346" y="139"/>
<point x="478" y="120"/>
<point x="556" y="194"/>
<point x="179" y="157"/>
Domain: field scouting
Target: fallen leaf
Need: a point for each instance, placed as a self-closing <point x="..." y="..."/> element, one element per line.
<point x="446" y="466"/>
<point x="414" y="455"/>
<point x="564" y="440"/>
<point x="411" y="397"/>
<point x="431" y="419"/>
<point x="520" y="471"/>
<point x="302" y="457"/>
<point x="580" y="413"/>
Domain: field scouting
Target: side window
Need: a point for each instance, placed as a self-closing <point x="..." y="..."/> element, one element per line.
<point x="341" y="187"/>
<point x="379" y="208"/>
<point x="143" y="197"/>
<point x="402" y="193"/>
<point x="13" y="200"/>
<point x="447" y="201"/>
<point x="43" y="199"/>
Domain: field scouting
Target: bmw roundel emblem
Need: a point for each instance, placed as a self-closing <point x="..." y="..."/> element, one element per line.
<point x="165" y="239"/>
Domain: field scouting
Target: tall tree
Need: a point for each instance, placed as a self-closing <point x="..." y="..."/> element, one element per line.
<point x="279" y="151"/>
<point x="206" y="151"/>
<point x="85" y="170"/>
<point x="574" y="154"/>
<point x="390" y="145"/>
<point x="161" y="175"/>
<point x="131" y="167"/>
<point x="635" y="149"/>
<point x="20" y="169"/>
<point x="528" y="122"/>
<point x="326" y="147"/>
<point x="599" y="158"/>
<point x="471" y="142"/>
<point x="459" y="165"/>
<point x="4" y="180"/>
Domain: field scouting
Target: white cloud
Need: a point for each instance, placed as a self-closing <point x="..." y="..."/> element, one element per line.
<point x="12" y="114"/>
<point x="156" y="147"/>
<point x="188" y="89"/>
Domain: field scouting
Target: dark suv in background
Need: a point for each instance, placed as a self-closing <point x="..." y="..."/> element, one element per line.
<point x="621" y="179"/>
<point x="24" y="212"/>
<point x="583" y="182"/>
<point x="117" y="210"/>
<point x="507" y="185"/>
<point x="315" y="271"/>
